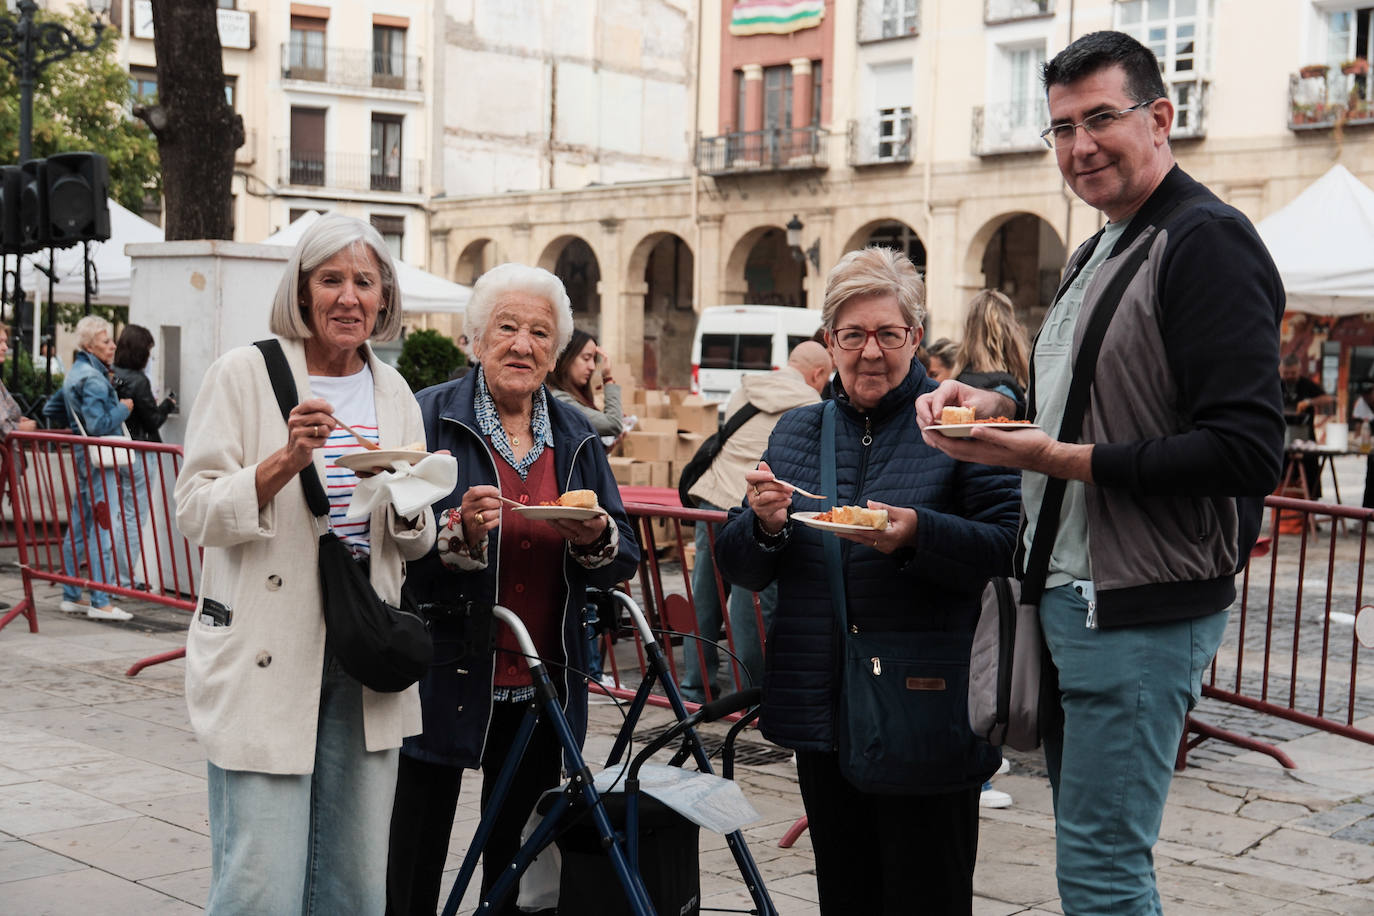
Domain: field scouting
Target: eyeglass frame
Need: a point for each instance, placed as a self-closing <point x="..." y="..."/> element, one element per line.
<point x="833" y="333"/>
<point x="1047" y="135"/>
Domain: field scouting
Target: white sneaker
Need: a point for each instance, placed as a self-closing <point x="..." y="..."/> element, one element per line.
<point x="73" y="607"/>
<point x="109" y="612"/>
<point x="1004" y="769"/>
<point x="608" y="680"/>
<point x="993" y="798"/>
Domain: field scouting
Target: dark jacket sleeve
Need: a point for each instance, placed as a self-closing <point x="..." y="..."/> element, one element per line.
<point x="1222" y="301"/>
<point x="740" y="557"/>
<point x="975" y="539"/>
<point x="148" y="415"/>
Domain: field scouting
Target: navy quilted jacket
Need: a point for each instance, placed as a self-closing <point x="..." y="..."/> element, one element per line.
<point x="966" y="524"/>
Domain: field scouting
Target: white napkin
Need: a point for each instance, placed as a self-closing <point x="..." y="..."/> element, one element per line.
<point x="409" y="488"/>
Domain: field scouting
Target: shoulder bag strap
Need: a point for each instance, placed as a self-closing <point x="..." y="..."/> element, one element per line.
<point x="737" y="419"/>
<point x="1084" y="367"/>
<point x="834" y="564"/>
<point x="279" y="371"/>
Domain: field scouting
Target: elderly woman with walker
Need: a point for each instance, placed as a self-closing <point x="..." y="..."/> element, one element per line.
<point x="302" y="757"/>
<point x="514" y="444"/>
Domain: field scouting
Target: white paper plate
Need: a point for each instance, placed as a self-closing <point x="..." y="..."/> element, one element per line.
<point x="809" y="519"/>
<point x="961" y="430"/>
<point x="547" y="513"/>
<point x="379" y="459"/>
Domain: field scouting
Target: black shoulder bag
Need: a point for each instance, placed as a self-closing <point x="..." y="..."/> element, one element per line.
<point x="707" y="452"/>
<point x="385" y="648"/>
<point x="1013" y="687"/>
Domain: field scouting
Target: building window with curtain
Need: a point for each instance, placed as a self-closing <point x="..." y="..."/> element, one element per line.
<point x="386" y="152"/>
<point x="388" y="56"/>
<point x="880" y="20"/>
<point x="305" y="58"/>
<point x="1176" y="31"/>
<point x="307" y="146"/>
<point x="392" y="229"/>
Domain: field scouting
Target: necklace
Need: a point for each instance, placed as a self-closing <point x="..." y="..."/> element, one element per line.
<point x="514" y="439"/>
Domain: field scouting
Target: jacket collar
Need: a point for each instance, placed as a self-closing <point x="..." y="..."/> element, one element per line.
<point x="1176" y="184"/>
<point x="457" y="401"/>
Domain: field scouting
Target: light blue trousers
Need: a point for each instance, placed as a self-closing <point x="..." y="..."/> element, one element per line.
<point x="744" y="624"/>
<point x="88" y="539"/>
<point x="1125" y="693"/>
<point x="310" y="844"/>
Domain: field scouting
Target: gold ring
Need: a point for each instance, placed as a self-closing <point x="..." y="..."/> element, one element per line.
<point x="480" y="520"/>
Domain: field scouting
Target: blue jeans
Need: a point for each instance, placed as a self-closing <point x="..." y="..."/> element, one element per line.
<point x="1125" y="694"/>
<point x="744" y="627"/>
<point x="314" y="843"/>
<point x="95" y="488"/>
<point x="130" y="514"/>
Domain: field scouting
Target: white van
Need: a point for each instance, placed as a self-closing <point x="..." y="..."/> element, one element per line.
<point x="734" y="339"/>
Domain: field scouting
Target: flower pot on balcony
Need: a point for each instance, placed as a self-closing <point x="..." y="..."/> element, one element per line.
<point x="1357" y="67"/>
<point x="1313" y="71"/>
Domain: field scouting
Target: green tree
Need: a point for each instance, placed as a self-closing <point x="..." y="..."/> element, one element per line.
<point x="82" y="104"/>
<point x="428" y="358"/>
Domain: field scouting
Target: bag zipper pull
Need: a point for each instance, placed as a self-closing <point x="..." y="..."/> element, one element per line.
<point x="877" y="666"/>
<point x="1091" y="621"/>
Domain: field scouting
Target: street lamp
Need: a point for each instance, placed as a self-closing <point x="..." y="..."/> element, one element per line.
<point x="30" y="46"/>
<point x="794" y="241"/>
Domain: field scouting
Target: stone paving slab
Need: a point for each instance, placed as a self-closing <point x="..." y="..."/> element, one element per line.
<point x="103" y="809"/>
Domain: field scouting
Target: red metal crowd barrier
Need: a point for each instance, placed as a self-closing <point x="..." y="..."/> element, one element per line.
<point x="1291" y="648"/>
<point x="98" y="514"/>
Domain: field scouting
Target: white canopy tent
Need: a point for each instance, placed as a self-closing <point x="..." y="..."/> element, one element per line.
<point x="111" y="267"/>
<point x="1323" y="244"/>
<point x="421" y="291"/>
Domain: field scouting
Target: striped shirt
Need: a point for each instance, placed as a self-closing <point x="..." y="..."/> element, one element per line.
<point x="351" y="396"/>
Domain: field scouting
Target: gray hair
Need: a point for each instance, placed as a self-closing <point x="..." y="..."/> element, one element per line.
<point x="326" y="237"/>
<point x="89" y="328"/>
<point x="875" y="271"/>
<point x="518" y="278"/>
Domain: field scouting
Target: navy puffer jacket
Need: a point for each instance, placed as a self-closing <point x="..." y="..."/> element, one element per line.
<point x="966" y="527"/>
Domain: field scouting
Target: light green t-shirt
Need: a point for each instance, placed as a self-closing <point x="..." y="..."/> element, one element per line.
<point x="1053" y="371"/>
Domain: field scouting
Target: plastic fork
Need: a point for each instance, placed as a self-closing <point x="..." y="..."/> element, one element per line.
<point x="798" y="490"/>
<point x="362" y="440"/>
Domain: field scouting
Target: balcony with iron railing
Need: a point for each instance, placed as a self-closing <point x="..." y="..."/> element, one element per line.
<point x="355" y="68"/>
<point x="774" y="150"/>
<point x="1004" y="128"/>
<point x="348" y="171"/>
<point x="1326" y="98"/>
<point x="880" y="141"/>
<point x="995" y="11"/>
<point x="1190" y="109"/>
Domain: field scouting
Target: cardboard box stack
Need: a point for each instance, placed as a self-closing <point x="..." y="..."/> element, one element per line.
<point x="671" y="427"/>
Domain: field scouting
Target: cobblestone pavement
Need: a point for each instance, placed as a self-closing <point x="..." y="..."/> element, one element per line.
<point x="103" y="809"/>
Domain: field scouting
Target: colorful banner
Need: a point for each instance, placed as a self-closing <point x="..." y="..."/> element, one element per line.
<point x="775" y="17"/>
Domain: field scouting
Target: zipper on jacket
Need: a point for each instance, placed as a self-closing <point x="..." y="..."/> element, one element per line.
<point x="567" y="590"/>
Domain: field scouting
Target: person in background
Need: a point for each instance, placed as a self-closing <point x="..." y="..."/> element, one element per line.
<point x="89" y="395"/>
<point x="1301" y="398"/>
<point x="11" y="417"/>
<point x="993" y="353"/>
<point x="301" y="756"/>
<point x="951" y="526"/>
<point x="941" y="356"/>
<point x="1362" y="418"/>
<point x="132" y="352"/>
<point x="1182" y="439"/>
<point x="571" y="384"/>
<point x="721" y="487"/>
<point x="511" y="440"/>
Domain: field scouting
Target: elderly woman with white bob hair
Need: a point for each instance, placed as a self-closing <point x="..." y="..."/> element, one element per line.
<point x="512" y="439"/>
<point x="88" y="402"/>
<point x="302" y="757"/>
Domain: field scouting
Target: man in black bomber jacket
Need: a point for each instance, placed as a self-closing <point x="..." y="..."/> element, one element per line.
<point x="1181" y="440"/>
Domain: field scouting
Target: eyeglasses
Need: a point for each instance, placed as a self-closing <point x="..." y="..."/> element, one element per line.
<point x="891" y="337"/>
<point x="1095" y="124"/>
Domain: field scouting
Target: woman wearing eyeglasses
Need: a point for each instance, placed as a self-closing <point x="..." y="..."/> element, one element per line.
<point x="950" y="527"/>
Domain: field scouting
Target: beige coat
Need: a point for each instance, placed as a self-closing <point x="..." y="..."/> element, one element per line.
<point x="253" y="688"/>
<point x="774" y="393"/>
